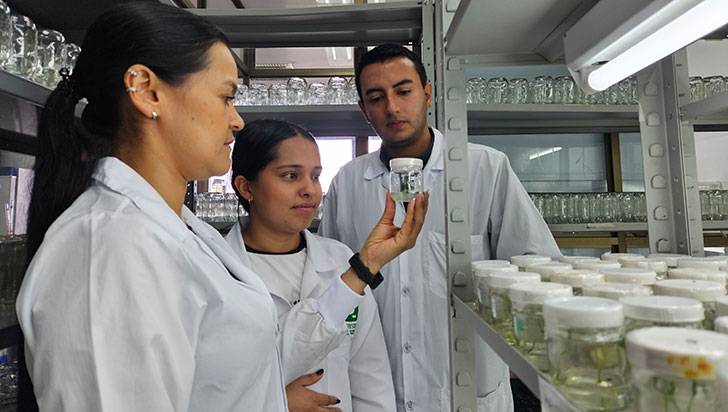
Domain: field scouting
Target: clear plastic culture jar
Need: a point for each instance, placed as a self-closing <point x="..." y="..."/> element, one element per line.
<point x="548" y="269"/>
<point x="585" y="339"/>
<point x="675" y="369"/>
<point x="658" y="265"/>
<point x="405" y="179"/>
<point x="646" y="311"/>
<point x="525" y="260"/>
<point x="577" y="279"/>
<point x="481" y="270"/>
<point x="500" y="304"/>
<point x="698" y="274"/>
<point x="616" y="291"/>
<point x="639" y="276"/>
<point x="703" y="290"/>
<point x="528" y="324"/>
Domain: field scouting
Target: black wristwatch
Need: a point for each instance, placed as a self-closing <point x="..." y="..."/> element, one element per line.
<point x="364" y="273"/>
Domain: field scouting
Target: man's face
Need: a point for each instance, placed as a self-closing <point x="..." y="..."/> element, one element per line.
<point x="395" y="102"/>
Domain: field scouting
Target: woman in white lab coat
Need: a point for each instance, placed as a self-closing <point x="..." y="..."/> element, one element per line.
<point x="276" y="169"/>
<point x="130" y="303"/>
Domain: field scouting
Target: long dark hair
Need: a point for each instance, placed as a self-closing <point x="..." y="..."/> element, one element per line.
<point x="171" y="42"/>
<point x="256" y="146"/>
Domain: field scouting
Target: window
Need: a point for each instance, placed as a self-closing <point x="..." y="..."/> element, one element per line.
<point x="335" y="153"/>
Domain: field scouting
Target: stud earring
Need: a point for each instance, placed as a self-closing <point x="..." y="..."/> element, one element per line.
<point x="131" y="89"/>
<point x="155" y="115"/>
<point x="133" y="73"/>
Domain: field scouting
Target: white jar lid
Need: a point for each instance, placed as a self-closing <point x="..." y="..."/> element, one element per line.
<point x="573" y="260"/>
<point x="616" y="256"/>
<point x="702" y="290"/>
<point x="483" y="272"/>
<point x="699" y="274"/>
<point x="581" y="312"/>
<point x="548" y="269"/>
<point x="405" y="163"/>
<point x="685" y="353"/>
<point x="656" y="264"/>
<point x="504" y="280"/>
<point x="700" y="262"/>
<point x="526" y="260"/>
<point x="599" y="265"/>
<point x="663" y="308"/>
<point x="577" y="278"/>
<point x="535" y="293"/>
<point x="616" y="290"/>
<point x="721" y="324"/>
<point x="721" y="306"/>
<point x="669" y="258"/>
<point x="630" y="275"/>
<point x="490" y="263"/>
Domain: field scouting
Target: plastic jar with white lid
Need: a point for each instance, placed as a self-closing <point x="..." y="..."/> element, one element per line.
<point x="481" y="271"/>
<point x="598" y="266"/>
<point x="675" y="369"/>
<point x="721" y="306"/>
<point x="703" y="290"/>
<point x="528" y="325"/>
<point x="526" y="260"/>
<point x="405" y="179"/>
<point x="721" y="324"/>
<point x="577" y="279"/>
<point x="639" y="276"/>
<point x="585" y="339"/>
<point x="548" y="269"/>
<point x="616" y="291"/>
<point x="657" y="264"/>
<point x="698" y="274"/>
<point x="646" y="311"/>
<point x="669" y="258"/>
<point x="614" y="257"/>
<point x="700" y="263"/>
<point x="573" y="260"/>
<point x="500" y="304"/>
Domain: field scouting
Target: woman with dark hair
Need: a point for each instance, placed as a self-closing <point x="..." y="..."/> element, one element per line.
<point x="276" y="169"/>
<point x="130" y="303"/>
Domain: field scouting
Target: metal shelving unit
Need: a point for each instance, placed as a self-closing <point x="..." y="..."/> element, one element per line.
<point x="321" y="120"/>
<point x="26" y="90"/>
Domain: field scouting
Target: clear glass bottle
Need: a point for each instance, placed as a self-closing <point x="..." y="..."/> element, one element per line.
<point x="528" y="324"/>
<point x="703" y="290"/>
<point x="481" y="270"/>
<point x="646" y="311"/>
<point x="548" y="269"/>
<point x="675" y="369"/>
<point x="522" y="261"/>
<point x="658" y="265"/>
<point x="585" y="339"/>
<point x="721" y="324"/>
<point x="577" y="279"/>
<point x="698" y="274"/>
<point x="500" y="304"/>
<point x="616" y="290"/>
<point x="638" y="276"/>
<point x="405" y="179"/>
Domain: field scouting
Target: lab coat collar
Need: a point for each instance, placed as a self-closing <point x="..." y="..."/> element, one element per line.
<point x="376" y="168"/>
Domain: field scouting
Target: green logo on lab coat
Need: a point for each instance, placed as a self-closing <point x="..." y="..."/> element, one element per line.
<point x="351" y="321"/>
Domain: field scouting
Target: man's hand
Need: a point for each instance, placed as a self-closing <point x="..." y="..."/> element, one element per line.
<point x="302" y="399"/>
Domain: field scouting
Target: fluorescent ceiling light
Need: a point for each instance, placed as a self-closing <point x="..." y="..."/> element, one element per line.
<point x="544" y="153"/>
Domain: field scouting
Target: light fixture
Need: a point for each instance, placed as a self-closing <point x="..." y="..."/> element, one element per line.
<point x="544" y="152"/>
<point x="618" y="38"/>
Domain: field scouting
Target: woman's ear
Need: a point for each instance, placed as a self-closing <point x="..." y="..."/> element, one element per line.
<point x="243" y="187"/>
<point x="142" y="86"/>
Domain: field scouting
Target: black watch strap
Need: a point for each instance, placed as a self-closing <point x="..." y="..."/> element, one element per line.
<point x="363" y="272"/>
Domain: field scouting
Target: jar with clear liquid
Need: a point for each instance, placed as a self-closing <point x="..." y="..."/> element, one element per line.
<point x="676" y="370"/>
<point x="578" y="279"/>
<point x="500" y="303"/>
<point x="481" y="270"/>
<point x="405" y="179"/>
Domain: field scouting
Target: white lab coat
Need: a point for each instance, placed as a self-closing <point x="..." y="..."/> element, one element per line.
<point x="357" y="369"/>
<point x="413" y="297"/>
<point x="124" y="308"/>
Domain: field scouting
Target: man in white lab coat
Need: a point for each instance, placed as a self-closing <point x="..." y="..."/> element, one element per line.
<point x="413" y="305"/>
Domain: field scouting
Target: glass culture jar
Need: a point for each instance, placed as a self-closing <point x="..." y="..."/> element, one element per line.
<point x="577" y="279"/>
<point x="675" y="369"/>
<point x="616" y="291"/>
<point x="405" y="179"/>
<point x="526" y="260"/>
<point x="585" y="340"/>
<point x="500" y="303"/>
<point x="721" y="306"/>
<point x="548" y="269"/>
<point x="614" y="257"/>
<point x="597" y="266"/>
<point x="721" y="324"/>
<point x="658" y="265"/>
<point x="698" y="274"/>
<point x="670" y="258"/>
<point x="481" y="270"/>
<point x="528" y="324"/>
<point x="639" y="276"/>
<point x="645" y="311"/>
<point x="703" y="290"/>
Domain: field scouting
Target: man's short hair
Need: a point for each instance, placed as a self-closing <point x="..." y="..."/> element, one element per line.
<point x="383" y="53"/>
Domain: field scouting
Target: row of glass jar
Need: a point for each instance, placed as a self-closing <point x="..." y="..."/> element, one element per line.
<point x="704" y="87"/>
<point x="714" y="204"/>
<point x="546" y="90"/>
<point x="579" y="340"/>
<point x="12" y="269"/>
<point x="32" y="53"/>
<point x="591" y="207"/>
<point x="218" y="207"/>
<point x="297" y="91"/>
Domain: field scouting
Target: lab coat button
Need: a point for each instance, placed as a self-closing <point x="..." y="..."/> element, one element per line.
<point x="407" y="347"/>
<point x="410" y="405"/>
<point x="405" y="291"/>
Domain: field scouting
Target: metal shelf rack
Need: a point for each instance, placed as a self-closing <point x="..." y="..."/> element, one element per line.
<point x="321" y="120"/>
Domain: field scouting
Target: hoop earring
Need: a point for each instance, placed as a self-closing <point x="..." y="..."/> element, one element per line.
<point x="131" y="89"/>
<point x="133" y="73"/>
